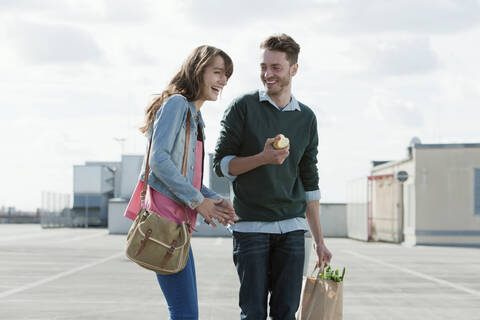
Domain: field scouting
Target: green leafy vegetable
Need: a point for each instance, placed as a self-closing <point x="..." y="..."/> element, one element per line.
<point x="330" y="274"/>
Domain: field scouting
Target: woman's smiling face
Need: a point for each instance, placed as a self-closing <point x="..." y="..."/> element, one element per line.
<point x="214" y="79"/>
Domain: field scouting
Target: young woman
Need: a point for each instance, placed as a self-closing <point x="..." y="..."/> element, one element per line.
<point x="201" y="78"/>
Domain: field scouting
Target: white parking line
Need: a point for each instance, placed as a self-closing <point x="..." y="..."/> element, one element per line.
<point x="50" y="235"/>
<point x="58" y="276"/>
<point x="30" y="235"/>
<point x="415" y="273"/>
<point x="98" y="234"/>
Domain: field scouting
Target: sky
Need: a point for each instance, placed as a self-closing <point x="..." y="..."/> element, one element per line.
<point x="76" y="75"/>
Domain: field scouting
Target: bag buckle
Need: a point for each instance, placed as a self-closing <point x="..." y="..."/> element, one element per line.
<point x="172" y="248"/>
<point x="144" y="242"/>
<point x="169" y="253"/>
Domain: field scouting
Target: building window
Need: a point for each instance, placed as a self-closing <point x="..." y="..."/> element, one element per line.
<point x="476" y="192"/>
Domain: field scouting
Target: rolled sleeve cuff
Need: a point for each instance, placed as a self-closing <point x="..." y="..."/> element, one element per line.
<point x="224" y="165"/>
<point x="313" y="195"/>
<point x="196" y="201"/>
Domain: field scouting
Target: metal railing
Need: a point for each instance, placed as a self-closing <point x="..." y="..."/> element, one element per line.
<point x="55" y="219"/>
<point x="55" y="210"/>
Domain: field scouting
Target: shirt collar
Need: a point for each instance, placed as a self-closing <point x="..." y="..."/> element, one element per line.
<point x="291" y="106"/>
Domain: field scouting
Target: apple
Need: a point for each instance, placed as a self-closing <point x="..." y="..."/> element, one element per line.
<point x="281" y="143"/>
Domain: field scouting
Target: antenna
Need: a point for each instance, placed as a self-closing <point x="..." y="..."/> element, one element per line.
<point x="414" y="141"/>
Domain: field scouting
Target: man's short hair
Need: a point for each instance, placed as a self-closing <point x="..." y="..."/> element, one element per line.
<point x="283" y="43"/>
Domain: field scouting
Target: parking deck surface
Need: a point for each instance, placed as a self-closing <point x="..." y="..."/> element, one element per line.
<point x="84" y="274"/>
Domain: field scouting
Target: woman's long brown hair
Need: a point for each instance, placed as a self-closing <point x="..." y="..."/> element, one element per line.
<point x="188" y="80"/>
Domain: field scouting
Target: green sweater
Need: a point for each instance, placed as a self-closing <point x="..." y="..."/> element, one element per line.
<point x="269" y="192"/>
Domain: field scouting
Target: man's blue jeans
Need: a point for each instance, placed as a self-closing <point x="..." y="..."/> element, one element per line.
<point x="269" y="263"/>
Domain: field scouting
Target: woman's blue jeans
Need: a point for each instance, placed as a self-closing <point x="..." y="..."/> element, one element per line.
<point x="180" y="291"/>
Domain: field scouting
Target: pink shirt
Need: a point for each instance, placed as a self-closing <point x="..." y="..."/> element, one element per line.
<point x="161" y="204"/>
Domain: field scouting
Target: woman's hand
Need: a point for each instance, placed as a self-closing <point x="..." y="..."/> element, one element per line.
<point x="220" y="209"/>
<point x="227" y="208"/>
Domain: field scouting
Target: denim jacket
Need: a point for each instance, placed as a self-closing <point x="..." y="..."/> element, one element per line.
<point x="167" y="152"/>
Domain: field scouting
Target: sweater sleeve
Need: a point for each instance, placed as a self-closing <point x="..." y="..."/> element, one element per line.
<point x="308" y="163"/>
<point x="230" y="141"/>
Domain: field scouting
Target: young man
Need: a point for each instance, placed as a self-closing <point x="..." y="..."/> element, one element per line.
<point x="273" y="188"/>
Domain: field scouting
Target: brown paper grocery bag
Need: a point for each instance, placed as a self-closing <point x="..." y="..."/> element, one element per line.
<point x="322" y="300"/>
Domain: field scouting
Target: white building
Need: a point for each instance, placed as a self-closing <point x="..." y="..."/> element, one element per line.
<point x="439" y="203"/>
<point x="96" y="182"/>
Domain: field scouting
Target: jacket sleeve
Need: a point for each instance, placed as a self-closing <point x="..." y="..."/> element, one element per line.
<point x="208" y="193"/>
<point x="167" y="126"/>
<point x="308" y="163"/>
<point x="230" y="141"/>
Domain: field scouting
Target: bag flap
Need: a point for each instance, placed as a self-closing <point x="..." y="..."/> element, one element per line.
<point x="164" y="231"/>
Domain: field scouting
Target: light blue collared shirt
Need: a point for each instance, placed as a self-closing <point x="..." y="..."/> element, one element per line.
<point x="277" y="227"/>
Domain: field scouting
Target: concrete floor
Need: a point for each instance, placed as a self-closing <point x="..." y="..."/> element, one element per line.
<point x="83" y="274"/>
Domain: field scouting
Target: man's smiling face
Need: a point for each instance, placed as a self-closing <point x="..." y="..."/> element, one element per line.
<point x="276" y="72"/>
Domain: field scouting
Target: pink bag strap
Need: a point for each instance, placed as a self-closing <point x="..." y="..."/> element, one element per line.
<point x="184" y="166"/>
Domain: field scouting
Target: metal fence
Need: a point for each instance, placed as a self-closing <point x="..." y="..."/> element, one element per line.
<point x="19" y="218"/>
<point x="55" y="210"/>
<point x="358" y="209"/>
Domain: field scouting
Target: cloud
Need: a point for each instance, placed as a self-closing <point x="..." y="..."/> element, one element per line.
<point x="100" y="11"/>
<point x="344" y="16"/>
<point x="137" y="55"/>
<point x="121" y="10"/>
<point x="53" y="44"/>
<point x="324" y="119"/>
<point x="385" y="107"/>
<point x="24" y="4"/>
<point x="407" y="56"/>
<point x="419" y="16"/>
<point x="231" y="14"/>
